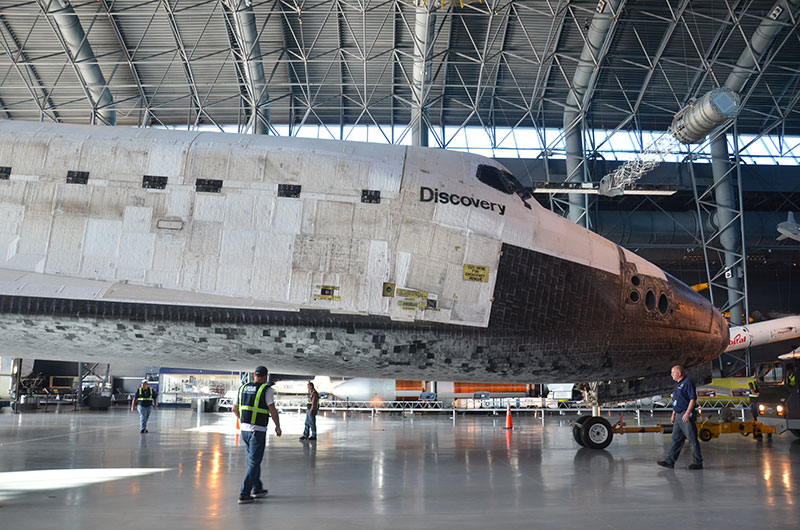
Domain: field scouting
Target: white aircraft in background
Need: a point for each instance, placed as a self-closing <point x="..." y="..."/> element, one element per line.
<point x="789" y="229"/>
<point x="322" y="383"/>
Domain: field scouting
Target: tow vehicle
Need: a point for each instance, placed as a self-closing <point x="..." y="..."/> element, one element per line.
<point x="779" y="398"/>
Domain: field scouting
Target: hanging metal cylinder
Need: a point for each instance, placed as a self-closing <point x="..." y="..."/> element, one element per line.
<point x="693" y="122"/>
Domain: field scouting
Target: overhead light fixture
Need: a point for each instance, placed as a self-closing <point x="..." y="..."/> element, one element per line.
<point x="593" y="188"/>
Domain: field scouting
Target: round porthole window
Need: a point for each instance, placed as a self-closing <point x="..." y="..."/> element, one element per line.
<point x="634" y="297"/>
<point x="636" y="281"/>
<point x="663" y="304"/>
<point x="650" y="300"/>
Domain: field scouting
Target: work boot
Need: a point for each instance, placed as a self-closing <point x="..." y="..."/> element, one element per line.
<point x="694" y="466"/>
<point x="664" y="463"/>
<point x="245" y="499"/>
<point x="304" y="438"/>
<point x="312" y="437"/>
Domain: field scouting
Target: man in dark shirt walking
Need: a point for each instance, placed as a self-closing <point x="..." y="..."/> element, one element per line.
<point x="684" y="415"/>
<point x="312" y="407"/>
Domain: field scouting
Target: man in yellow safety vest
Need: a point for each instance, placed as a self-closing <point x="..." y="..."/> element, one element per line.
<point x="255" y="404"/>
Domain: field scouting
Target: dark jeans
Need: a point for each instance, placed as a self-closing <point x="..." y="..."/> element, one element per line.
<point x="311" y="424"/>
<point x="682" y="431"/>
<point x="255" y="442"/>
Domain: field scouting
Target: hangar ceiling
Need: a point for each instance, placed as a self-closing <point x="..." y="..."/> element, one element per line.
<point x="491" y="63"/>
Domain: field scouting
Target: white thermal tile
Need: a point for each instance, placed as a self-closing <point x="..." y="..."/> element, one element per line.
<point x="308" y="223"/>
<point x="167" y="256"/>
<point x="238" y="211"/>
<point x="136" y="250"/>
<point x="482" y="251"/>
<point x="102" y="238"/>
<point x="190" y="273"/>
<point x="486" y="222"/>
<point x="386" y="177"/>
<point x="168" y="279"/>
<point x="108" y="203"/>
<point x="209" y="207"/>
<point x="401" y="268"/>
<point x="208" y="274"/>
<point x="371" y="222"/>
<point x="262" y="212"/>
<point x="300" y="287"/>
<point x="39" y="197"/>
<point x="63" y="154"/>
<point x="448" y="245"/>
<point x="12" y="192"/>
<point x="334" y="218"/>
<point x="179" y="203"/>
<point x="234" y="281"/>
<point x="275" y="247"/>
<point x="288" y="215"/>
<point x="311" y="253"/>
<point x="131" y="275"/>
<point x="238" y="248"/>
<point x="73" y="199"/>
<point x="137" y="219"/>
<point x="167" y="160"/>
<point x="205" y="238"/>
<point x="98" y="267"/>
<point x="26" y="262"/>
<point x="208" y="160"/>
<point x="35" y="234"/>
<point x="415" y="236"/>
<point x="132" y="157"/>
<point x="10" y="218"/>
<point x="427" y="275"/>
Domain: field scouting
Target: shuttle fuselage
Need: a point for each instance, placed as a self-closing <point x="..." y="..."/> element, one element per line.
<point x="311" y="256"/>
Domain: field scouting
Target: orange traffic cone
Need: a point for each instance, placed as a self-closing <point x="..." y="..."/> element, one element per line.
<point x="508" y="417"/>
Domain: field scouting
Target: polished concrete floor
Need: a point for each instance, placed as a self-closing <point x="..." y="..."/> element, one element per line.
<point x="90" y="470"/>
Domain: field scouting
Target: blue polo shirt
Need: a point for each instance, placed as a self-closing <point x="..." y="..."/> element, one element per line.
<point x="682" y="394"/>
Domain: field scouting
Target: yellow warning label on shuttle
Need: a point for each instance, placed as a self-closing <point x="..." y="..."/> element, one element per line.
<point x="410" y="293"/>
<point x="327" y="292"/>
<point x="476" y="273"/>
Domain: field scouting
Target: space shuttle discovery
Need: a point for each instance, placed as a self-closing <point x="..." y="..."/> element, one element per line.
<point x="216" y="250"/>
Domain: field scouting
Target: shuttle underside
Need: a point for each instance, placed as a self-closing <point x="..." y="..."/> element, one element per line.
<point x="551" y="320"/>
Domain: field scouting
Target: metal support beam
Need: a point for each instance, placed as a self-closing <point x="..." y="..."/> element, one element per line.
<point x="424" y="25"/>
<point x="728" y="212"/>
<point x="68" y="30"/>
<point x="26" y="72"/>
<point x="596" y="45"/>
<point x="108" y="7"/>
<point x="249" y="54"/>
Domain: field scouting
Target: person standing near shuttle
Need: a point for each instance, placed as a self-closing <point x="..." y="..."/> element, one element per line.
<point x="144" y="400"/>
<point x="255" y="403"/>
<point x="684" y="415"/>
<point x="312" y="407"/>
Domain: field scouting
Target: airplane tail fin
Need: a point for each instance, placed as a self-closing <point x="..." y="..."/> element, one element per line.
<point x="790" y="217"/>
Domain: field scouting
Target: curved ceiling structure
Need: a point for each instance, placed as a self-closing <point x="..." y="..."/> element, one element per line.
<point x="487" y="63"/>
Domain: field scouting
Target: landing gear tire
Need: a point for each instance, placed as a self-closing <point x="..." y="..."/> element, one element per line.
<point x="796" y="432"/>
<point x="705" y="435"/>
<point x="596" y="433"/>
<point x="576" y="429"/>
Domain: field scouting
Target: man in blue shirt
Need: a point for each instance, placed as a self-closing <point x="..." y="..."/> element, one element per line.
<point x="684" y="415"/>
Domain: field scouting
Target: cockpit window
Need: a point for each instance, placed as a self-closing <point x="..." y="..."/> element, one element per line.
<point x="503" y="181"/>
<point x="770" y="372"/>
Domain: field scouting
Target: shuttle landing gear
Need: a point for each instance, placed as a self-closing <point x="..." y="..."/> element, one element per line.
<point x="593" y="432"/>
